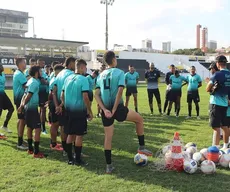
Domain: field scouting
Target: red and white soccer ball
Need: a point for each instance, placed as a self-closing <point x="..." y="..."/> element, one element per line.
<point x="224" y="160"/>
<point x="208" y="167"/>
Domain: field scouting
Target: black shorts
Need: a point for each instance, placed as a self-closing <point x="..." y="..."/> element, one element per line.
<point x="90" y="95"/>
<point x="21" y="116"/>
<point x="75" y="125"/>
<point x="62" y="118"/>
<point x="228" y="120"/>
<point x="218" y="116"/>
<point x="130" y="91"/>
<point x="5" y="102"/>
<point x="156" y="93"/>
<point x="32" y="118"/>
<point x="167" y="95"/>
<point x="120" y="115"/>
<point x="174" y="94"/>
<point x="43" y="98"/>
<point x="53" y="115"/>
<point x="193" y="96"/>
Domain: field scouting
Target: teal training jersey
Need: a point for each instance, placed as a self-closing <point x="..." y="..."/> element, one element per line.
<point x="52" y="75"/>
<point x="2" y="82"/>
<point x="177" y="82"/>
<point x="59" y="82"/>
<point x="193" y="82"/>
<point x="26" y="72"/>
<point x="74" y="87"/>
<point x="52" y="83"/>
<point x="131" y="79"/>
<point x="43" y="87"/>
<point x="19" y="80"/>
<point x="91" y="81"/>
<point x="108" y="83"/>
<point x="32" y="87"/>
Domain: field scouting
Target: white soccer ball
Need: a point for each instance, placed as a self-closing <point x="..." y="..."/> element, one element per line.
<point x="191" y="150"/>
<point x="186" y="155"/>
<point x="140" y="159"/>
<point x="224" y="160"/>
<point x="208" y="167"/>
<point x="190" y="144"/>
<point x="166" y="149"/>
<point x="204" y="152"/>
<point x="198" y="157"/>
<point x="190" y="166"/>
<point x="227" y="151"/>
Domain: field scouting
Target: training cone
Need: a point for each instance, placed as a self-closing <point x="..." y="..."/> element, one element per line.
<point x="175" y="160"/>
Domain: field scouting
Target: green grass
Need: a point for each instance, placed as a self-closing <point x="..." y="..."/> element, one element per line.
<point x="20" y="172"/>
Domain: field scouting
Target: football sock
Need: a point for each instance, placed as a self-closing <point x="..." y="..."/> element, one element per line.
<point x="197" y="110"/>
<point x="189" y="110"/>
<point x="36" y="147"/>
<point x="165" y="105"/>
<point x="20" y="141"/>
<point x="69" y="151"/>
<point x="64" y="145"/>
<point x="178" y="111"/>
<point x="151" y="109"/>
<point x="136" y="109"/>
<point x="169" y="110"/>
<point x="160" y="110"/>
<point x="141" y="140"/>
<point x="225" y="146"/>
<point x="43" y="126"/>
<point x="78" y="150"/>
<point x="108" y="156"/>
<point x="30" y="144"/>
<point x="8" y="117"/>
<point x="214" y="138"/>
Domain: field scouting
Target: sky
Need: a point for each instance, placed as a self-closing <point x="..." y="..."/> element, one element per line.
<point x="130" y="21"/>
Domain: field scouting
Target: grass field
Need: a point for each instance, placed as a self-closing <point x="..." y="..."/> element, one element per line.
<point x="20" y="172"/>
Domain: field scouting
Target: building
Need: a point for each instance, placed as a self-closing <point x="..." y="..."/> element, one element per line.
<point x="198" y="27"/>
<point x="212" y="45"/>
<point x="117" y="47"/>
<point x="204" y="39"/>
<point x="13" y="23"/>
<point x="147" y="44"/>
<point x="166" y="46"/>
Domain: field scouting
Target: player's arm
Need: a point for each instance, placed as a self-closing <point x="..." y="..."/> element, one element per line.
<point x="146" y="76"/>
<point x="98" y="98"/>
<point x="87" y="104"/>
<point x="62" y="99"/>
<point x="159" y="77"/>
<point x="209" y="87"/>
<point x="185" y="81"/>
<point x="200" y="82"/>
<point x="138" y="78"/>
<point x="54" y="93"/>
<point x="26" y="99"/>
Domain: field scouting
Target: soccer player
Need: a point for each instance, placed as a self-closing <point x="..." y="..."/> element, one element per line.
<point x="5" y="103"/>
<point x="168" y="89"/>
<point x="19" y="85"/>
<point x="57" y="90"/>
<point x="52" y="74"/>
<point x="32" y="62"/>
<point x="53" y="116"/>
<point x="29" y="106"/>
<point x="92" y="80"/>
<point x="152" y="76"/>
<point x="77" y="107"/>
<point x="176" y="82"/>
<point x="131" y="80"/>
<point x="219" y="87"/>
<point x="194" y="82"/>
<point x="43" y="94"/>
<point x="108" y="95"/>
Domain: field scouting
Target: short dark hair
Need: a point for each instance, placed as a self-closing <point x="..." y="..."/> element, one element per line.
<point x="176" y="72"/>
<point x="130" y="66"/>
<point x="58" y="67"/>
<point x="193" y="67"/>
<point x="54" y="63"/>
<point x="69" y="60"/>
<point x="32" y="60"/>
<point x="109" y="56"/>
<point x="172" y="65"/>
<point x="96" y="72"/>
<point x="81" y="62"/>
<point x="33" y="70"/>
<point x="39" y="60"/>
<point x="19" y="60"/>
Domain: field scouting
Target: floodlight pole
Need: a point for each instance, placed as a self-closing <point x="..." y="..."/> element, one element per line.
<point x="33" y="27"/>
<point x="107" y="3"/>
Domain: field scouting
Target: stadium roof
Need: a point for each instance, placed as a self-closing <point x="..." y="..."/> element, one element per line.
<point x="38" y="42"/>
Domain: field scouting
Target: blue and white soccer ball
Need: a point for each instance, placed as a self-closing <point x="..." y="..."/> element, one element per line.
<point x="190" y="166"/>
<point x="140" y="159"/>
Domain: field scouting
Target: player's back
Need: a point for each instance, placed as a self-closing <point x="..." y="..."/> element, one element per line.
<point x="2" y="82"/>
<point x="33" y="87"/>
<point x="109" y="82"/>
<point x="60" y="79"/>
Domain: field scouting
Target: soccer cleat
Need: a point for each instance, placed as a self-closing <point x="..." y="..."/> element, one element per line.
<point x="2" y="136"/>
<point x="84" y="155"/>
<point x="6" y="129"/>
<point x="144" y="151"/>
<point x="56" y="147"/>
<point x="98" y="115"/>
<point x="109" y="169"/>
<point x="151" y="114"/>
<point x="22" y="147"/>
<point x="188" y="117"/>
<point x="44" y="132"/>
<point x="30" y="152"/>
<point x="198" y="118"/>
<point x="71" y="163"/>
<point x="39" y="155"/>
<point x="81" y="163"/>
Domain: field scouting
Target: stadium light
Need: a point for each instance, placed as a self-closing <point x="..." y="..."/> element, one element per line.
<point x="107" y="3"/>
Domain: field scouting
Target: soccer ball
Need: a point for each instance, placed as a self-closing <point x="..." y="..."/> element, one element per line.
<point x="166" y="149"/>
<point x="186" y="155"/>
<point x="190" y="144"/>
<point x="224" y="160"/>
<point x="140" y="159"/>
<point x="208" y="167"/>
<point x="198" y="157"/>
<point x="190" y="166"/>
<point x="227" y="151"/>
<point x="221" y="152"/>
<point x="204" y="152"/>
<point x="191" y="150"/>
